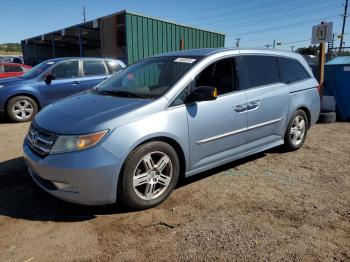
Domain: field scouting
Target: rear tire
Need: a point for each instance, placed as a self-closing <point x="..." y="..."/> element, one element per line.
<point x="21" y="109"/>
<point x="296" y="131"/>
<point x="149" y="175"/>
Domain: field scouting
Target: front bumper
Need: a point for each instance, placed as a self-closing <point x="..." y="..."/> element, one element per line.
<point x="92" y="174"/>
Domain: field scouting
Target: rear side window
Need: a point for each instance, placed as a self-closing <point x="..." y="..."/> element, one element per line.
<point x="113" y="66"/>
<point x="12" y="68"/>
<point x="292" y="71"/>
<point x="66" y="69"/>
<point x="261" y="70"/>
<point x="94" y="68"/>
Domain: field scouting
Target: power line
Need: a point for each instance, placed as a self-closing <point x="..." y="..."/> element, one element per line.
<point x="278" y="35"/>
<point x="280" y="11"/>
<point x="211" y="9"/>
<point x="231" y="12"/>
<point x="282" y="26"/>
<point x="271" y="19"/>
<point x="295" y="42"/>
<point x="260" y="8"/>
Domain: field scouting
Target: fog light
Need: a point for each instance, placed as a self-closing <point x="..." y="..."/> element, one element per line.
<point x="64" y="186"/>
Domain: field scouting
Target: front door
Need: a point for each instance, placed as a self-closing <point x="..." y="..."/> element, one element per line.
<point x="67" y="81"/>
<point x="217" y="128"/>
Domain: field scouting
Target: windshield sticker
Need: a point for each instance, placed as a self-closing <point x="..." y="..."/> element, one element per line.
<point x="184" y="60"/>
<point x="50" y="63"/>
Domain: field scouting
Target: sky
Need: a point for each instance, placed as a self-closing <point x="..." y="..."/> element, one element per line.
<point x="256" y="22"/>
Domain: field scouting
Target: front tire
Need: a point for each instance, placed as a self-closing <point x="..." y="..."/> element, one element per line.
<point x="149" y="175"/>
<point x="296" y="131"/>
<point x="21" y="109"/>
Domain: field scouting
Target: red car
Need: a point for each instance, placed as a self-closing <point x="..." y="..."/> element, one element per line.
<point x="12" y="69"/>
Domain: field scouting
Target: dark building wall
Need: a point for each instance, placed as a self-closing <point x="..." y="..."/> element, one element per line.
<point x="113" y="36"/>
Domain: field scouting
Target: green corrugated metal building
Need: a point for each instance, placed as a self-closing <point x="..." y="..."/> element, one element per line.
<point x="122" y="35"/>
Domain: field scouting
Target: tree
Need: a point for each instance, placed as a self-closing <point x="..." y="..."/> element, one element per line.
<point x="311" y="50"/>
<point x="11" y="47"/>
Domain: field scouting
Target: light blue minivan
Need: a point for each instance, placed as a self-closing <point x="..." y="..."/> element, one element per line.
<point x="172" y="115"/>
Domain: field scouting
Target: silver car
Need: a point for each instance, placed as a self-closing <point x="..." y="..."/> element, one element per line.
<point x="176" y="114"/>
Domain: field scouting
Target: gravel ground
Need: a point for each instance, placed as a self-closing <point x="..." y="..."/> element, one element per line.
<point x="271" y="206"/>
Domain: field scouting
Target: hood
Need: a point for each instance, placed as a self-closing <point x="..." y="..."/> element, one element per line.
<point x="14" y="80"/>
<point x="85" y="112"/>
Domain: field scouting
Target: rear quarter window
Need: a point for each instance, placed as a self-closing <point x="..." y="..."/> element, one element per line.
<point x="94" y="68"/>
<point x="113" y="66"/>
<point x="12" y="69"/>
<point x="292" y="71"/>
<point x="261" y="70"/>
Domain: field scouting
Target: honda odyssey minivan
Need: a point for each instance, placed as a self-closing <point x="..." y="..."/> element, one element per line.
<point x="176" y="114"/>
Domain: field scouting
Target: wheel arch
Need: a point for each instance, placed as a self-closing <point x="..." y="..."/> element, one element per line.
<point x="32" y="96"/>
<point x="172" y="142"/>
<point x="303" y="108"/>
<point x="308" y="114"/>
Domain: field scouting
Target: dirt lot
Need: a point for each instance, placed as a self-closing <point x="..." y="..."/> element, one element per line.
<point x="272" y="206"/>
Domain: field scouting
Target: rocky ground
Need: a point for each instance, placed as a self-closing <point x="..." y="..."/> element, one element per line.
<point x="271" y="206"/>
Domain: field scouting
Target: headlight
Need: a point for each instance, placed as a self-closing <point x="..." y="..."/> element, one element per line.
<point x="73" y="143"/>
<point x="1" y="86"/>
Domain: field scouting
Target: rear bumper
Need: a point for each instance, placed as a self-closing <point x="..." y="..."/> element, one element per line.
<point x="90" y="175"/>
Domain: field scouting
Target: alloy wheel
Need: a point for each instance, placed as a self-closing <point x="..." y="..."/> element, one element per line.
<point x="153" y="175"/>
<point x="22" y="109"/>
<point x="297" y="131"/>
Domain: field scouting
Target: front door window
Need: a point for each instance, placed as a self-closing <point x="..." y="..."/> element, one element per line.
<point x="66" y="69"/>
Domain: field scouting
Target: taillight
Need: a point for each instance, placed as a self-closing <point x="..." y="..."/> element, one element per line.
<point x="319" y="88"/>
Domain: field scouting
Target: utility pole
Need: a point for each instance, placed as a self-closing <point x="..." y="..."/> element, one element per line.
<point x="237" y="42"/>
<point x="84" y="14"/>
<point x="343" y="28"/>
<point x="274" y="44"/>
<point x="292" y="48"/>
<point x="321" y="62"/>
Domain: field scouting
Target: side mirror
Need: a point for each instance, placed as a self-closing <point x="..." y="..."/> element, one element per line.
<point x="202" y="93"/>
<point x="48" y="78"/>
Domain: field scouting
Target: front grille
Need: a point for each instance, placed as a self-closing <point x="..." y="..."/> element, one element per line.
<point x="40" y="140"/>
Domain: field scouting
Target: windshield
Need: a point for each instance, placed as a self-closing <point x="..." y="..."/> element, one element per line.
<point x="38" y="69"/>
<point x="149" y="78"/>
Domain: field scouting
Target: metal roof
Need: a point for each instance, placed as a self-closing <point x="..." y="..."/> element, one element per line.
<point x="117" y="13"/>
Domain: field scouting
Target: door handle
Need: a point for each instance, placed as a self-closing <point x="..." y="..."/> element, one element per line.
<point x="76" y="83"/>
<point x="253" y="105"/>
<point x="240" y="108"/>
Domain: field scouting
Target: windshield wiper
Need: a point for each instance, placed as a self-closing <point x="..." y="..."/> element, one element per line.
<point x="119" y="93"/>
